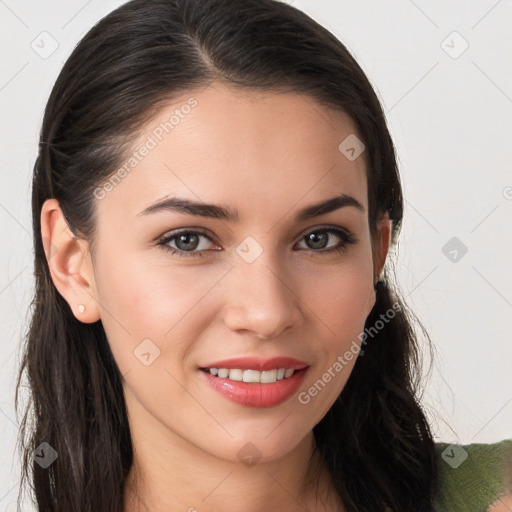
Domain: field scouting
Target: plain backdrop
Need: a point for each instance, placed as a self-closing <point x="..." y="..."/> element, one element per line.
<point x="443" y="71"/>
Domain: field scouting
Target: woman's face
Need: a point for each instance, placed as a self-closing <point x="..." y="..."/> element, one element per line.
<point x="265" y="283"/>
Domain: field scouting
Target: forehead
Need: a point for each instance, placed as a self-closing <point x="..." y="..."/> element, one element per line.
<point x="253" y="150"/>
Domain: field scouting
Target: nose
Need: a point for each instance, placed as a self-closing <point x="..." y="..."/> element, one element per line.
<point x="262" y="298"/>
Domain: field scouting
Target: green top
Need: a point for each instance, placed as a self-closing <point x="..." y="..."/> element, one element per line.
<point x="474" y="476"/>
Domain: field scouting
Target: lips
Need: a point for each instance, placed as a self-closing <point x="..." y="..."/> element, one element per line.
<point x="255" y="394"/>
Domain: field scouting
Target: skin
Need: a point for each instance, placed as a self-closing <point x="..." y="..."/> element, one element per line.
<point x="267" y="155"/>
<point x="503" y="504"/>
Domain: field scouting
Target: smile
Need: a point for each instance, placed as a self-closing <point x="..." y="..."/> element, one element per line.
<point x="255" y="393"/>
<point x="240" y="375"/>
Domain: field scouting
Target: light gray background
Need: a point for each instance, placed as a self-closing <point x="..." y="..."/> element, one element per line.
<point x="449" y="111"/>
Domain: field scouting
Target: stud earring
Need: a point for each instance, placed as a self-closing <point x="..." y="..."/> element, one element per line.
<point x="81" y="308"/>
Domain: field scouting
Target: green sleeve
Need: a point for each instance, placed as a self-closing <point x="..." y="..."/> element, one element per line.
<point x="473" y="476"/>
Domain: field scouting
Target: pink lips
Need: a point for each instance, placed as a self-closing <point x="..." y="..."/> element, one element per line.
<point x="253" y="394"/>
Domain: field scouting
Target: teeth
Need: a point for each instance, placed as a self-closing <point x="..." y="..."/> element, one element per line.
<point x="263" y="377"/>
<point x="223" y="373"/>
<point x="268" y="376"/>
<point x="252" y="376"/>
<point x="235" y="374"/>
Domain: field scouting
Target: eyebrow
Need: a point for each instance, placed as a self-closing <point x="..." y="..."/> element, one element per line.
<point x="180" y="205"/>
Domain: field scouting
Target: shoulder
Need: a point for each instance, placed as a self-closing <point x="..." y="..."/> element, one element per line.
<point x="475" y="477"/>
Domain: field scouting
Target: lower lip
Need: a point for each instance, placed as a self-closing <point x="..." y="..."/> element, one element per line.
<point x="252" y="394"/>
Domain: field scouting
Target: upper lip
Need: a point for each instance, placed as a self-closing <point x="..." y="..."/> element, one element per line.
<point x="256" y="363"/>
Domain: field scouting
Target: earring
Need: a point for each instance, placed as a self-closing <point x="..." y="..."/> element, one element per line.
<point x="81" y="308"/>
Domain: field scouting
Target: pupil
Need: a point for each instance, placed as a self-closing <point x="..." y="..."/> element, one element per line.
<point x="184" y="238"/>
<point x="313" y="237"/>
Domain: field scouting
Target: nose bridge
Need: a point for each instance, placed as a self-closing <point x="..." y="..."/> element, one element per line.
<point x="261" y="297"/>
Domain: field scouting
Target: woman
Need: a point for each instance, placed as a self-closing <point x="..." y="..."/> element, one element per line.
<point x="215" y="326"/>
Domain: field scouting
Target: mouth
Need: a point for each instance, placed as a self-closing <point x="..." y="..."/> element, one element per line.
<point x="249" y="375"/>
<point x="253" y="388"/>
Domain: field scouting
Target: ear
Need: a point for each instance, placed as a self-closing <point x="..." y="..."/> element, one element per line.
<point x="70" y="263"/>
<point x="381" y="244"/>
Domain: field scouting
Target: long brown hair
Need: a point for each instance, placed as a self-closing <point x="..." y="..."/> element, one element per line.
<point x="375" y="440"/>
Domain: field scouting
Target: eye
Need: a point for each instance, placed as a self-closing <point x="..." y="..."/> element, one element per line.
<point x="317" y="240"/>
<point x="188" y="243"/>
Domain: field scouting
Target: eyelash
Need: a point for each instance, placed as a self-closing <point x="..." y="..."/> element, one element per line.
<point x="346" y="237"/>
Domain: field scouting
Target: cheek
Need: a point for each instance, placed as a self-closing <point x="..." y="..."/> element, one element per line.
<point x="340" y="308"/>
<point x="151" y="316"/>
<point x="342" y="299"/>
<point x="142" y="301"/>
